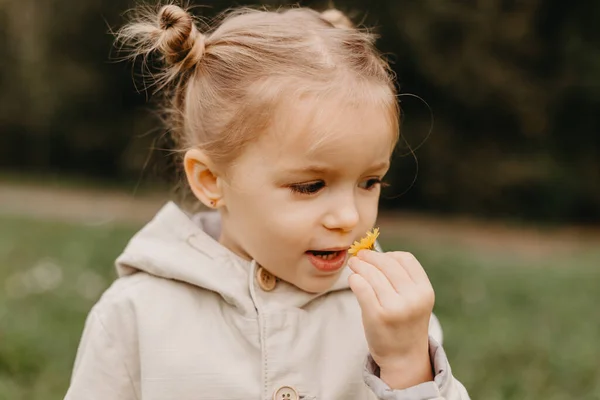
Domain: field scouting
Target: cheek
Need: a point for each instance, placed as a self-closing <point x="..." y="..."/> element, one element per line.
<point x="267" y="216"/>
<point x="290" y="225"/>
<point x="368" y="210"/>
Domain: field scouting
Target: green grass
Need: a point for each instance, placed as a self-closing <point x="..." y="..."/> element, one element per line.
<point x="517" y="328"/>
<point x="50" y="275"/>
<point x="514" y="328"/>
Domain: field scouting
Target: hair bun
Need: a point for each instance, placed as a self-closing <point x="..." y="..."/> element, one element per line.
<point x="180" y="40"/>
<point x="337" y="18"/>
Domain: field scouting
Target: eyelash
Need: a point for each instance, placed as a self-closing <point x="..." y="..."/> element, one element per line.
<point x="314" y="187"/>
<point x="307" y="188"/>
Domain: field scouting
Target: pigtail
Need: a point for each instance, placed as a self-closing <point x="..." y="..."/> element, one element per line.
<point x="168" y="32"/>
<point x="337" y="18"/>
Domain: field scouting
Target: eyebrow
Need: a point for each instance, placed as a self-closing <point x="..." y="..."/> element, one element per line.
<point x="318" y="169"/>
<point x="315" y="169"/>
<point x="381" y="165"/>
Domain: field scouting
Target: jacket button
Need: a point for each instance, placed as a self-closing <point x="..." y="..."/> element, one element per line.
<point x="286" y="393"/>
<point x="266" y="280"/>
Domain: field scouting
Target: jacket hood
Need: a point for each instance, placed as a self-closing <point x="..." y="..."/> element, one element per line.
<point x="182" y="247"/>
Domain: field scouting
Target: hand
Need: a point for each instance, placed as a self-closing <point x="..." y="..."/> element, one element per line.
<point x="396" y="299"/>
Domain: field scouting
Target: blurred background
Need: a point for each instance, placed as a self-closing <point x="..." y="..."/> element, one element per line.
<point x="496" y="187"/>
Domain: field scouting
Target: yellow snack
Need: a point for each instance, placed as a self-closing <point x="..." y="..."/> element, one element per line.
<point x="365" y="243"/>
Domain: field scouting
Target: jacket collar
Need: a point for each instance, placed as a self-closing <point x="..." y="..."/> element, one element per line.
<point x="182" y="247"/>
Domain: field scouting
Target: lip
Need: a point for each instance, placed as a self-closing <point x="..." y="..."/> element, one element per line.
<point x="329" y="265"/>
<point x="333" y="249"/>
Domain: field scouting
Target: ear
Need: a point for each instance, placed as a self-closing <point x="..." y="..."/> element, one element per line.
<point x="202" y="178"/>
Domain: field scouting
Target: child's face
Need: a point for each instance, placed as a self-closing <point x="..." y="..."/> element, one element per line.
<point x="311" y="183"/>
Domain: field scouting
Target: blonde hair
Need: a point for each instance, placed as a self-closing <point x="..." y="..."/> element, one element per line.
<point x="223" y="85"/>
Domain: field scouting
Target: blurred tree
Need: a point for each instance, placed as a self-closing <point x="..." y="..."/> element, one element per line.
<point x="514" y="103"/>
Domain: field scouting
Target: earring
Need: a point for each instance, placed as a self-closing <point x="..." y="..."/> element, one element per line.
<point x="212" y="203"/>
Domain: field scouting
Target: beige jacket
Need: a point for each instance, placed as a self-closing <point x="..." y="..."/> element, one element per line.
<point x="187" y="320"/>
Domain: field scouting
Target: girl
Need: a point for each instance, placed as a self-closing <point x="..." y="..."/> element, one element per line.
<point x="287" y="121"/>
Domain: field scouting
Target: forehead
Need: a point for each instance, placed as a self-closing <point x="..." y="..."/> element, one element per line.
<point x="326" y="129"/>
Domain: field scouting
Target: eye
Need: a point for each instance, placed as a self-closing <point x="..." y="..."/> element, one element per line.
<point x="307" y="188"/>
<point x="370" y="183"/>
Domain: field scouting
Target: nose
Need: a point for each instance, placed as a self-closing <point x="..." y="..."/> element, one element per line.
<point x="342" y="215"/>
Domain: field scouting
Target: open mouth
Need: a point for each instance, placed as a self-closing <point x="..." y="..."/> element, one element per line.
<point x="327" y="260"/>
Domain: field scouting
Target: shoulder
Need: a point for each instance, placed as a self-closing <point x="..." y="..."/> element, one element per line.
<point x="127" y="288"/>
<point x="133" y="295"/>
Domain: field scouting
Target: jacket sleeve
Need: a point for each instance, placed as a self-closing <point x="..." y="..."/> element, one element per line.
<point x="443" y="387"/>
<point x="100" y="370"/>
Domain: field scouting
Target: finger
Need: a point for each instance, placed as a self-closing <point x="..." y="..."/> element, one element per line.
<point x="367" y="299"/>
<point x="385" y="292"/>
<point x="390" y="267"/>
<point x="412" y="266"/>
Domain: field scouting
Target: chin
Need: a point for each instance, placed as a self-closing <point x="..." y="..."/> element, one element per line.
<point x="317" y="284"/>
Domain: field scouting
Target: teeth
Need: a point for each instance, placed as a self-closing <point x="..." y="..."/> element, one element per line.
<point x="327" y="257"/>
